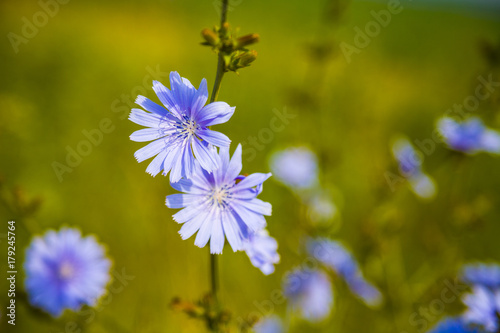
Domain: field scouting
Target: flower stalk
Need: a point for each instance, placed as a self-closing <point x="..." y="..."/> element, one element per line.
<point x="214" y="269"/>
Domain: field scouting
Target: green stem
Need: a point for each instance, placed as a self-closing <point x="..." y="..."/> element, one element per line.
<point x="220" y="58"/>
<point x="214" y="269"/>
<point x="214" y="273"/>
<point x="218" y="78"/>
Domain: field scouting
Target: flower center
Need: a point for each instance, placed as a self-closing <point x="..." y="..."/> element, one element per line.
<point x="187" y="128"/>
<point x="66" y="271"/>
<point x="220" y="196"/>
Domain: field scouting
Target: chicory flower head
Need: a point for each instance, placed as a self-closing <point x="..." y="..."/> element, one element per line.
<point x="179" y="129"/>
<point x="309" y="293"/>
<point x="65" y="271"/>
<point x="221" y="204"/>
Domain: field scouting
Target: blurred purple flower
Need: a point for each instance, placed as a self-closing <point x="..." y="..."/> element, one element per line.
<point x="221" y="204"/>
<point x="483" y="308"/>
<point x="309" y="293"/>
<point x="469" y="136"/>
<point x="65" y="271"/>
<point x="262" y="250"/>
<point x="296" y="167"/>
<point x="410" y="166"/>
<point x="180" y="129"/>
<point x="334" y="255"/>
<point x="453" y="325"/>
<point x="269" y="325"/>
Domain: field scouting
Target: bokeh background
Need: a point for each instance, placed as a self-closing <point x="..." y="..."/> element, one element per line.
<point x="90" y="60"/>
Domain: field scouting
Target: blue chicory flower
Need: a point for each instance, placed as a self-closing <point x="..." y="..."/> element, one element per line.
<point x="296" y="167"/>
<point x="180" y="128"/>
<point x="262" y="250"/>
<point x="65" y="271"/>
<point x="221" y="204"/>
<point x="335" y="256"/>
<point x="309" y="293"/>
<point x="469" y="136"/>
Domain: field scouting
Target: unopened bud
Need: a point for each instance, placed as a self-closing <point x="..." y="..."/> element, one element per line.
<point x="247" y="40"/>
<point x="247" y="58"/>
<point x="210" y="36"/>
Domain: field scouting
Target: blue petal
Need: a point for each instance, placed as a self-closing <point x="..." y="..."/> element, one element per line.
<point x="150" y="150"/>
<point x="143" y="118"/>
<point x="187" y="185"/>
<point x="246" y="194"/>
<point x="231" y="230"/>
<point x="176" y="172"/>
<point x="199" y="98"/>
<point x="189" y="212"/>
<point x="205" y="230"/>
<point x="216" y="138"/>
<point x="251" y="219"/>
<point x="183" y="92"/>
<point x="235" y="165"/>
<point x="166" y="98"/>
<point x="180" y="200"/>
<point x="252" y="180"/>
<point x="258" y="206"/>
<point x="217" y="238"/>
<point x="151" y="106"/>
<point x="188" y="159"/>
<point x="214" y="113"/>
<point x="173" y="150"/>
<point x="148" y="134"/>
<point x="201" y="178"/>
<point x="208" y="158"/>
<point x="190" y="227"/>
<point x="156" y="164"/>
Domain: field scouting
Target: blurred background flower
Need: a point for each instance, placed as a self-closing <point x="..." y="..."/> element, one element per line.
<point x="65" y="271"/>
<point x="309" y="293"/>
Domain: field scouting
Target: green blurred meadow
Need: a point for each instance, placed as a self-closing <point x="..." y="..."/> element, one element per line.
<point x="87" y="64"/>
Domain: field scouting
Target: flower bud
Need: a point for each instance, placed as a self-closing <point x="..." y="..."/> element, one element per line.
<point x="210" y="36"/>
<point x="247" y="58"/>
<point x="247" y="40"/>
